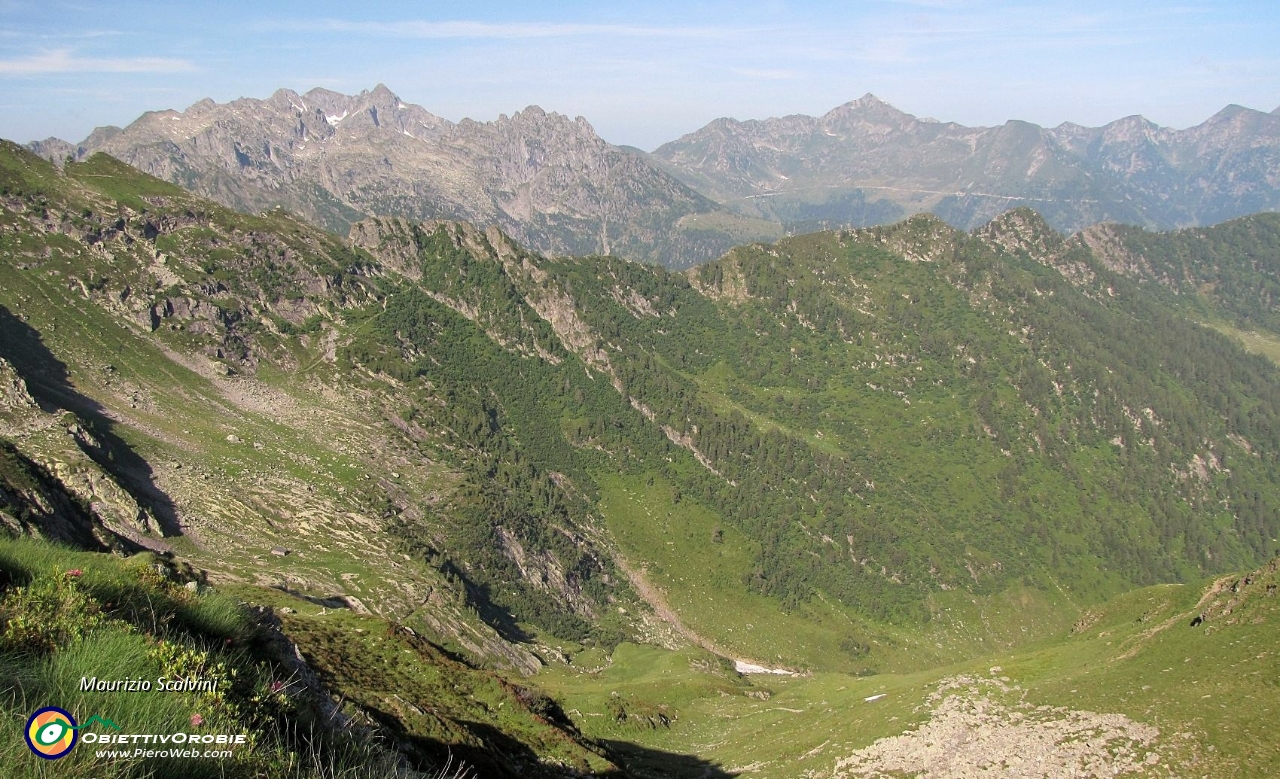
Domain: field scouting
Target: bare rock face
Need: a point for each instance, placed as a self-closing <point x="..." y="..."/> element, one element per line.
<point x="14" y="396"/>
<point x="391" y="240"/>
<point x="33" y="502"/>
<point x="50" y="484"/>
<point x="879" y="163"/>
<point x="547" y="180"/>
<point x="1106" y="241"/>
<point x="54" y="149"/>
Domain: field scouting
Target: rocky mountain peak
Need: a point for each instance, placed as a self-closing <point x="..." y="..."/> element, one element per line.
<point x="54" y="149"/>
<point x="101" y="135"/>
<point x="868" y="114"/>
<point x="876" y="163"/>
<point x="1016" y="145"/>
<point x="368" y="111"/>
<point x="1231" y="111"/>
<point x="868" y="104"/>
<point x="283" y="102"/>
<point x="1022" y="219"/>
<point x="1234" y="128"/>
<point x="1130" y="129"/>
<point x="326" y="100"/>
<point x="1021" y="126"/>
<point x="382" y="94"/>
<point x="1022" y="231"/>
<point x="1238" y="116"/>
<point x="723" y="127"/>
<point x="869" y="100"/>
<point x="533" y="120"/>
<point x="379" y="100"/>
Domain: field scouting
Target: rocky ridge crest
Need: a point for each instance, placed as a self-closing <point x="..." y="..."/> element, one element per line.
<point x="547" y="180"/>
<point x="804" y="168"/>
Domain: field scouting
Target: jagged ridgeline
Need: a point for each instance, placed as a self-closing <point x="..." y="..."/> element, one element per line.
<point x="867" y="419"/>
<point x="333" y="159"/>
<point x="1226" y="272"/>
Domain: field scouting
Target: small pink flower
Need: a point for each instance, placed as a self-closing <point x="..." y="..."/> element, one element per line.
<point x="75" y="573"/>
<point x="277" y="686"/>
<point x="196" y="720"/>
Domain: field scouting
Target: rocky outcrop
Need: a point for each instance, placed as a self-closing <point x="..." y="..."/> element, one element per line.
<point x="14" y="397"/>
<point x="51" y="485"/>
<point x="33" y="502"/>
<point x="390" y="239"/>
<point x="1108" y="246"/>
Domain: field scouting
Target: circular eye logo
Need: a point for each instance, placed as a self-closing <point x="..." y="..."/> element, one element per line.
<point x="51" y="732"/>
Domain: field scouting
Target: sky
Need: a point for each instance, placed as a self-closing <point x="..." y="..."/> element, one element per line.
<point x="645" y="73"/>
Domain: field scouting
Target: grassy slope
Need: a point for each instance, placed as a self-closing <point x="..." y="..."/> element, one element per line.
<point x="1262" y="342"/>
<point x="107" y="619"/>
<point x="907" y="421"/>
<point x="110" y="619"/>
<point x="944" y="474"/>
<point x="429" y="700"/>
<point x="1210" y="690"/>
<point x="701" y="580"/>
<point x="289" y="457"/>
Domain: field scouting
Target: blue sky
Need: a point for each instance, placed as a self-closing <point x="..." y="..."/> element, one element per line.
<point x="645" y="73"/>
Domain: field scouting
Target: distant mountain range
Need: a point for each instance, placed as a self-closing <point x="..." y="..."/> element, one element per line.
<point x="866" y="161"/>
<point x="556" y="186"/>
<point x="548" y="180"/>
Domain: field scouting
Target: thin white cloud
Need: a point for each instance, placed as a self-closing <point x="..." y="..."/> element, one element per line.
<point x="419" y="28"/>
<point x="945" y="5"/>
<point x="767" y="73"/>
<point x="64" y="61"/>
<point x="57" y="36"/>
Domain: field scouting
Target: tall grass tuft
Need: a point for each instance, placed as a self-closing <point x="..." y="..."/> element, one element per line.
<point x="68" y="618"/>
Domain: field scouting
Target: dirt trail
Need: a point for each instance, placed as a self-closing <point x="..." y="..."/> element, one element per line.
<point x="658" y="602"/>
